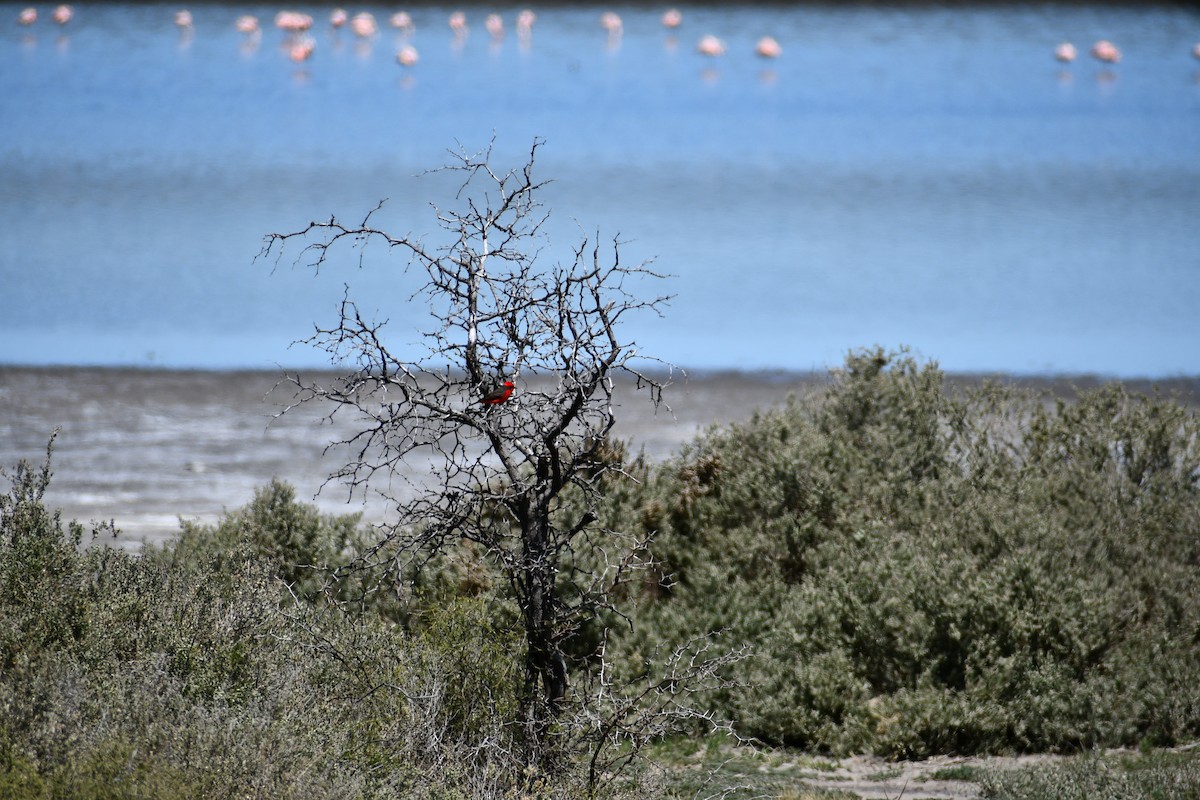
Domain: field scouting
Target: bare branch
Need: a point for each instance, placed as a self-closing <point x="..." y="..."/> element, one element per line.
<point x="513" y="404"/>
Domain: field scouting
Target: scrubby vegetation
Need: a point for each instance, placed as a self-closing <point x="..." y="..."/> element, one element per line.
<point x="193" y="671"/>
<point x="916" y="571"/>
<point x="925" y="573"/>
<point x="1154" y="776"/>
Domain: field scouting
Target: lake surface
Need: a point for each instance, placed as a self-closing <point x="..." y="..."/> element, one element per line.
<point x="906" y="174"/>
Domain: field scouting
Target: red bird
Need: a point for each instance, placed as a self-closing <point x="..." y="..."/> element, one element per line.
<point x="498" y="395"/>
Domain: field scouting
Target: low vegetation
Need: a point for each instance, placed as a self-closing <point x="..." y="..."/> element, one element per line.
<point x="1152" y="776"/>
<point x="195" y="671"/>
<point x="924" y="573"/>
<point x="916" y="571"/>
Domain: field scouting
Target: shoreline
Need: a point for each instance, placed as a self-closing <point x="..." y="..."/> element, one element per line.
<point x="146" y="447"/>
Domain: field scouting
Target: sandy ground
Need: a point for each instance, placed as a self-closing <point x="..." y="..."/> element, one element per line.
<point x="873" y="778"/>
<point x="144" y="448"/>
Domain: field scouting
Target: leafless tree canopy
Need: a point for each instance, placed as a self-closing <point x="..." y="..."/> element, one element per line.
<point x="500" y="309"/>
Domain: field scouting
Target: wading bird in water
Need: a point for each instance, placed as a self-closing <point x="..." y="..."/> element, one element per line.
<point x="1106" y="51"/>
<point x="407" y="56"/>
<point x="767" y="47"/>
<point x="710" y="46"/>
<point x="498" y="395"/>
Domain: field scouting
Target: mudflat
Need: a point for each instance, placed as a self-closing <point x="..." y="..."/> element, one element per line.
<point x="144" y="448"/>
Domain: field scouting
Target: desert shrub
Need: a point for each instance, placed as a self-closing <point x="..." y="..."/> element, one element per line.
<point x="927" y="572"/>
<point x="1159" y="776"/>
<point x="301" y="545"/>
<point x="195" y="672"/>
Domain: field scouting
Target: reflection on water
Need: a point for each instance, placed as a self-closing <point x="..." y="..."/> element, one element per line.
<point x="901" y="174"/>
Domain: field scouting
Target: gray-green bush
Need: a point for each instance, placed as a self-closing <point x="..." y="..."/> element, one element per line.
<point x="928" y="572"/>
<point x="1155" y="776"/>
<point x="194" y="672"/>
<point x="918" y="572"/>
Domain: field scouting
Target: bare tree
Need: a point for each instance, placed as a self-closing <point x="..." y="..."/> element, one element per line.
<point x="513" y="396"/>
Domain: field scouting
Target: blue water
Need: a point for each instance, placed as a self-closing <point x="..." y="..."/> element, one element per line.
<point x="902" y="175"/>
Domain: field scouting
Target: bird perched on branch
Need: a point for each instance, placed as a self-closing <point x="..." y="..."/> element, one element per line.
<point x="498" y="395"/>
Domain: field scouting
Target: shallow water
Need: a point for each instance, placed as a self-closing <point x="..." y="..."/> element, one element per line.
<point x="903" y="174"/>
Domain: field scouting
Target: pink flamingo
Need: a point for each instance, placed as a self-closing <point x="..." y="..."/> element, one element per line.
<point x="458" y="23"/>
<point x="302" y="48"/>
<point x="183" y="18"/>
<point x="525" y="20"/>
<point x="363" y="25"/>
<point x="63" y="14"/>
<point x="407" y="56"/>
<point x="710" y="45"/>
<point x="402" y="21"/>
<point x="338" y="17"/>
<point x="28" y="16"/>
<point x="767" y="47"/>
<point x="1196" y="50"/>
<point x="1106" y="52"/>
<point x="611" y="22"/>
<point x="1065" y="52"/>
<point x="672" y="18"/>
<point x="247" y="24"/>
<point x="293" y="21"/>
<point x="495" y="26"/>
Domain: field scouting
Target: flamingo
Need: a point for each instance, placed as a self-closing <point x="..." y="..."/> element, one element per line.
<point x="183" y="18"/>
<point x="247" y="24"/>
<point x="458" y="23"/>
<point x="1065" y="52"/>
<point x="293" y="21"/>
<point x="338" y="17"/>
<point x="1106" y="51"/>
<point x="402" y="21"/>
<point x="767" y="47"/>
<point x="710" y="45"/>
<point x="495" y="26"/>
<point x="407" y="56"/>
<point x="672" y="18"/>
<point x="611" y="22"/>
<point x="363" y="25"/>
<point x="63" y="14"/>
<point x="1196" y="50"/>
<point x="302" y="49"/>
<point x="28" y="16"/>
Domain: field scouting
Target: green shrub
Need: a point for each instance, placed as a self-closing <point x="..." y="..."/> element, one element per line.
<point x="927" y="572"/>
<point x="194" y="672"/>
<point x="919" y="571"/>
<point x="1162" y="776"/>
<point x="301" y="545"/>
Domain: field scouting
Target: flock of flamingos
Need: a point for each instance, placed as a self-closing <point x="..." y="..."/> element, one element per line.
<point x="301" y="44"/>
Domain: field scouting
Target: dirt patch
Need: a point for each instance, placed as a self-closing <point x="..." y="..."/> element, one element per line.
<point x="942" y="777"/>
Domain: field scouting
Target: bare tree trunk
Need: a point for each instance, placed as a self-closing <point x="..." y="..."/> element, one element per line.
<point x="501" y="311"/>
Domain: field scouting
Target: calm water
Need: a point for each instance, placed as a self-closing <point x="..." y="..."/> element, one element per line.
<point x="901" y="175"/>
